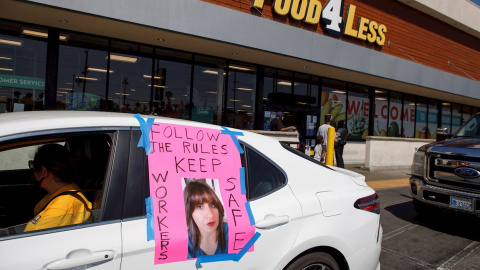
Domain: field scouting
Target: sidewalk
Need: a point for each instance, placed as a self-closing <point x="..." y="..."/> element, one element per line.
<point x="382" y="179"/>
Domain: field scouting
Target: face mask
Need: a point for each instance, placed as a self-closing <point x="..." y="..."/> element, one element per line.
<point x="38" y="183"/>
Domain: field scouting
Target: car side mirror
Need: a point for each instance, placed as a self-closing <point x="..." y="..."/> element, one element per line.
<point x="442" y="134"/>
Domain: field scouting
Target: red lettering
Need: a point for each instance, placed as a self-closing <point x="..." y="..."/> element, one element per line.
<point x="394" y="113"/>
<point x="365" y="109"/>
<point x="353" y="107"/>
<point x="384" y="112"/>
<point x="405" y="115"/>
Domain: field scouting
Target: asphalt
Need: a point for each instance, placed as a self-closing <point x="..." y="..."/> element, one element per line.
<point x="382" y="179"/>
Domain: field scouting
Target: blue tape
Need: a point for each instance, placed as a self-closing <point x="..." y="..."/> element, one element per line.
<point x="150" y="219"/>
<point x="233" y="135"/>
<point x="228" y="257"/>
<point x="247" y="246"/>
<point x="250" y="214"/>
<point x="243" y="189"/>
<point x="215" y="258"/>
<point x="145" y="127"/>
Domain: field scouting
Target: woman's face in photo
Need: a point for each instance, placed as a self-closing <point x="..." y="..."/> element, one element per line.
<point x="206" y="216"/>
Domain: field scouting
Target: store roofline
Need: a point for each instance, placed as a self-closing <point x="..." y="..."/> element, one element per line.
<point x="182" y="25"/>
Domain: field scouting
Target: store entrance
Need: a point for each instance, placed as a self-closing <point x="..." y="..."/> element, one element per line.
<point x="304" y="119"/>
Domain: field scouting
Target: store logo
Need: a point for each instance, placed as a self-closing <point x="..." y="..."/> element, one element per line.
<point x="467" y="172"/>
<point x="332" y="15"/>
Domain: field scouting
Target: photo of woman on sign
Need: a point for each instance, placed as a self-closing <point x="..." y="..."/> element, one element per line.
<point x="207" y="231"/>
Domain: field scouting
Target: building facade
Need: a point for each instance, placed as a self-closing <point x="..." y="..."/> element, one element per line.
<point x="396" y="68"/>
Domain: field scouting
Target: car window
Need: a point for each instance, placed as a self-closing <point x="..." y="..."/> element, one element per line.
<point x="262" y="176"/>
<point x="302" y="154"/>
<point x="89" y="155"/>
<point x="471" y="128"/>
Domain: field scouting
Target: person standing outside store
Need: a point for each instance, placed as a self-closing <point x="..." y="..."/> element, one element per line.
<point x="277" y="125"/>
<point x="323" y="131"/>
<point x="340" y="143"/>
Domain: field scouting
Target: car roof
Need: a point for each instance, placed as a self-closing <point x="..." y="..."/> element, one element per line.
<point x="33" y="121"/>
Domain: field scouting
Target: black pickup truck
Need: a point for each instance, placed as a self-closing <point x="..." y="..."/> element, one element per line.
<point x="446" y="174"/>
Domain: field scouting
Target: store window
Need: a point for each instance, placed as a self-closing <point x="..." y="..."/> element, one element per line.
<point x="130" y="82"/>
<point x="408" y="119"/>
<point x="421" y="118"/>
<point x="301" y="88"/>
<point x="22" y="69"/>
<point x="456" y="117"/>
<point x="466" y="113"/>
<point x="208" y="84"/>
<point x="171" y="84"/>
<point x="432" y="119"/>
<point x="358" y="112"/>
<point x="305" y="90"/>
<point x="240" y="107"/>
<point x="82" y="73"/>
<point x="334" y="98"/>
<point x="381" y="119"/>
<point x="395" y="127"/>
<point x="284" y="81"/>
<point x="447" y="116"/>
<point x="269" y="83"/>
<point x="475" y="110"/>
<point x="315" y="90"/>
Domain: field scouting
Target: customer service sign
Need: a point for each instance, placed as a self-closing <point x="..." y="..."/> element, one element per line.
<point x="22" y="82"/>
<point x="331" y="14"/>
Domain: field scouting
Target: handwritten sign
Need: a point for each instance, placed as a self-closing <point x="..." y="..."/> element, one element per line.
<point x="200" y="166"/>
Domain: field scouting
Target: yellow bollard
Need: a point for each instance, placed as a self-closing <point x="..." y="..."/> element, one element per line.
<point x="330" y="146"/>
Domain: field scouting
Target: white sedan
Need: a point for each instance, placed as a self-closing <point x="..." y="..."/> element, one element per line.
<point x="174" y="194"/>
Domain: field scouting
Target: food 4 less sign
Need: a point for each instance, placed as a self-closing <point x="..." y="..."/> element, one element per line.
<point x="311" y="11"/>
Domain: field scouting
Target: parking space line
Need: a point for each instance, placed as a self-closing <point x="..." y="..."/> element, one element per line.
<point x="408" y="258"/>
<point x="383" y="184"/>
<point x="399" y="231"/>
<point x="450" y="263"/>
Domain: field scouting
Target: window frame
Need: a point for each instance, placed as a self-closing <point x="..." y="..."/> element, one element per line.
<point x="115" y="170"/>
<point x="246" y="148"/>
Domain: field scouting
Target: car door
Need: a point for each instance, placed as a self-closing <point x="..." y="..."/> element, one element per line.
<point x="275" y="209"/>
<point x="95" y="244"/>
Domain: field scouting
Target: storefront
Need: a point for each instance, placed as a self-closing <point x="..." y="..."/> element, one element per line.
<point x="387" y="68"/>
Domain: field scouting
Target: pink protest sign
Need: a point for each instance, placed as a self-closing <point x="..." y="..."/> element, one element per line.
<point x="196" y="189"/>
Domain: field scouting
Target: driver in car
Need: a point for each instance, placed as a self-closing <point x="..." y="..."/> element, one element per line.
<point x="64" y="203"/>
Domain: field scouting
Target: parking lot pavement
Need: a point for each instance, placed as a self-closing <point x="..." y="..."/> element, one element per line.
<point x="450" y="240"/>
<point x="382" y="179"/>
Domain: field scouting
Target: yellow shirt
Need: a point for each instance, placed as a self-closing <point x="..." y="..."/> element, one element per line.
<point x="62" y="211"/>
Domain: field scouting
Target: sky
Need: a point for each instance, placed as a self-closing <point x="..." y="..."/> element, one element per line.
<point x="476" y="2"/>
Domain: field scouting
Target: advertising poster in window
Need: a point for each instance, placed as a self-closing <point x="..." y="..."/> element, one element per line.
<point x="197" y="191"/>
<point x="358" y="114"/>
<point x="333" y="103"/>
<point x="357" y="122"/>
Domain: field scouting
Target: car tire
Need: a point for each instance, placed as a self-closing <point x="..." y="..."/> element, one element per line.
<point x="314" y="261"/>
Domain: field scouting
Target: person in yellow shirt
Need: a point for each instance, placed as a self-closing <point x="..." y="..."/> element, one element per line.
<point x="64" y="204"/>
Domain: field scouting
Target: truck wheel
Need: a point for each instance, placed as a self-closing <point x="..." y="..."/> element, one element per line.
<point x="314" y="261"/>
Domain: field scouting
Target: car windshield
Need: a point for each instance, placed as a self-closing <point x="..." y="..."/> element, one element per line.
<point x="471" y="128"/>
